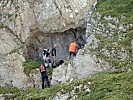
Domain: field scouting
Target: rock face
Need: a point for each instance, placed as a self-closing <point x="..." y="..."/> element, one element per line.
<point x="60" y="15"/>
<point x="48" y="16"/>
<point x="11" y="72"/>
<point x="104" y="48"/>
<point x="60" y="96"/>
<point x="22" y="18"/>
<point x="83" y="65"/>
<point x="35" y="44"/>
<point x="8" y="42"/>
<point x="19" y="20"/>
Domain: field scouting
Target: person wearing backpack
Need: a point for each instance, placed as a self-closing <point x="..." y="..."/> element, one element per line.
<point x="44" y="54"/>
<point x="46" y="58"/>
<point x="44" y="76"/>
<point x="53" y="53"/>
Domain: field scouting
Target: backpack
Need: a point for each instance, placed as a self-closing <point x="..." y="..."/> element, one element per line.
<point x="44" y="52"/>
<point x="42" y="68"/>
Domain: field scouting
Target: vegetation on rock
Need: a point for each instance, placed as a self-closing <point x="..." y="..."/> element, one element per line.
<point x="31" y="66"/>
<point x="104" y="86"/>
<point x="116" y="8"/>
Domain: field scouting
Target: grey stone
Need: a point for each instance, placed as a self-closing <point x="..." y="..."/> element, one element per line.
<point x="60" y="96"/>
<point x="82" y="66"/>
<point x="46" y="15"/>
<point x="132" y="46"/>
<point x="121" y="27"/>
<point x="123" y="17"/>
<point x="124" y="30"/>
<point x="91" y="41"/>
<point x="1" y="97"/>
<point x="112" y="26"/>
<point x="108" y="18"/>
<point x="131" y="25"/>
<point x="11" y="72"/>
<point x="63" y="74"/>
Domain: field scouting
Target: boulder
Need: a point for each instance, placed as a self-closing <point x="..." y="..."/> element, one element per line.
<point x="11" y="72"/>
<point x="83" y="65"/>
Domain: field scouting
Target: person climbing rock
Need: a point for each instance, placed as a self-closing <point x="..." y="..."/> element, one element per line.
<point x="53" y="53"/>
<point x="46" y="58"/>
<point x="72" y="49"/>
<point x="44" y="76"/>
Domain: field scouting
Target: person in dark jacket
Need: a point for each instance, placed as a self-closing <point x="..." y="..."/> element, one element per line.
<point x="44" y="75"/>
<point x="53" y="53"/>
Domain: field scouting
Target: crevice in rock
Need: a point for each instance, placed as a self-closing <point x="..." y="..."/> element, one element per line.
<point x="16" y="38"/>
<point x="57" y="7"/>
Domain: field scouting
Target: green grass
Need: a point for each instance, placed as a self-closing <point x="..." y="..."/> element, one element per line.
<point x="104" y="86"/>
<point x="116" y="8"/>
<point x="107" y="43"/>
<point x="41" y="94"/>
<point x="30" y="94"/>
<point x="66" y="62"/>
<point x="8" y="89"/>
<point x="126" y="41"/>
<point x="1" y="25"/>
<point x="31" y="65"/>
<point x="112" y="86"/>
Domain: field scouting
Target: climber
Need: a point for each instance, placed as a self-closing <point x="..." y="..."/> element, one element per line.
<point x="53" y="53"/>
<point x="72" y="49"/>
<point x="46" y="58"/>
<point x="44" y="75"/>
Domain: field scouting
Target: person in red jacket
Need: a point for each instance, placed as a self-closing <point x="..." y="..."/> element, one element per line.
<point x="44" y="75"/>
<point x="72" y="49"/>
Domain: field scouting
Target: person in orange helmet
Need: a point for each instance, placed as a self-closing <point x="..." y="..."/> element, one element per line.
<point x="72" y="49"/>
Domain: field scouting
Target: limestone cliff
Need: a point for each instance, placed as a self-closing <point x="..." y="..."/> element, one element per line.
<point x="108" y="48"/>
<point x="49" y="16"/>
<point x="28" y="24"/>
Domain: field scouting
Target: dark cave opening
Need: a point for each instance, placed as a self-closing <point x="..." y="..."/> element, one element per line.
<point x="38" y="41"/>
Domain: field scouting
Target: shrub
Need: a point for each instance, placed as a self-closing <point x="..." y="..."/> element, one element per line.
<point x="31" y="65"/>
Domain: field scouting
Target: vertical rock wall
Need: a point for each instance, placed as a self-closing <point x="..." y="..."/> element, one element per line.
<point x="28" y="23"/>
<point x="11" y="72"/>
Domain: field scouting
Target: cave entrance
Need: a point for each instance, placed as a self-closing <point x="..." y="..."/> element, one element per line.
<point x="39" y="40"/>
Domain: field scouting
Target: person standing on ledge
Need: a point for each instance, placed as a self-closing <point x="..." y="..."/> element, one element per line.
<point x="44" y="75"/>
<point x="72" y="50"/>
<point x="53" y="53"/>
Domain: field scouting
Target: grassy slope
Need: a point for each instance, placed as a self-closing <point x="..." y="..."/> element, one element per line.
<point x="117" y="85"/>
<point x="104" y="86"/>
<point x="112" y="86"/>
<point x="116" y="8"/>
<point x="30" y="66"/>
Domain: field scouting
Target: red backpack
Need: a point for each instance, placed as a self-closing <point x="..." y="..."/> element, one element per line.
<point x="42" y="68"/>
